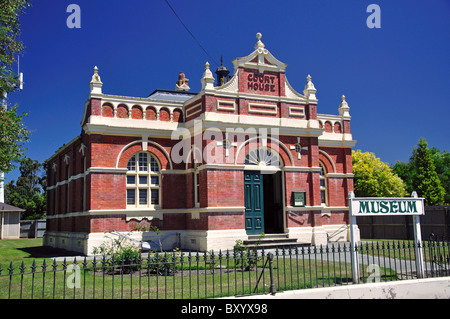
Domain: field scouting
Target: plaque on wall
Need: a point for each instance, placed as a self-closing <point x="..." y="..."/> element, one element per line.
<point x="299" y="199"/>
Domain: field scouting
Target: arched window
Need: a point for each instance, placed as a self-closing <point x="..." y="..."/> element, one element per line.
<point x="143" y="181"/>
<point x="323" y="185"/>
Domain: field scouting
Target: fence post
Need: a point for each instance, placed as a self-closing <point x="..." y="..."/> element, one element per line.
<point x="272" y="289"/>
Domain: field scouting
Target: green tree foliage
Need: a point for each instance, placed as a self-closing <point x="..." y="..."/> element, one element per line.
<point x="426" y="182"/>
<point x="442" y="163"/>
<point x="13" y="136"/>
<point x="406" y="173"/>
<point x="427" y="173"/>
<point x="9" y="42"/>
<point x="13" y="133"/>
<point x="373" y="178"/>
<point x="27" y="193"/>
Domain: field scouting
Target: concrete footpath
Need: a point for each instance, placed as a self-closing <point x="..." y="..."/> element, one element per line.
<point x="432" y="288"/>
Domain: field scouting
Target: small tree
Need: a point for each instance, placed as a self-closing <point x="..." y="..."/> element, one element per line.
<point x="426" y="182"/>
<point x="27" y="192"/>
<point x="374" y="178"/>
<point x="247" y="257"/>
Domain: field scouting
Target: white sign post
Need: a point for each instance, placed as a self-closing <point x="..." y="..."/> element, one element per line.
<point x="353" y="241"/>
<point x="376" y="206"/>
<point x="418" y="242"/>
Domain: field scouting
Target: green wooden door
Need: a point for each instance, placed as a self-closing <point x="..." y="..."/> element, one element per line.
<point x="254" y="202"/>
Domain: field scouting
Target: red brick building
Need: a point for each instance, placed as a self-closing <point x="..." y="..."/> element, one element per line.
<point x="246" y="156"/>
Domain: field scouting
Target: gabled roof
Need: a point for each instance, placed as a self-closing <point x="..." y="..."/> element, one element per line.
<point x="6" y="208"/>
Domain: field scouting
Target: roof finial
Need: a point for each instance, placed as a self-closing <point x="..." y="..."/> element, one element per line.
<point x="309" y="85"/>
<point x="343" y="102"/>
<point x="259" y="44"/>
<point x="95" y="76"/>
<point x="208" y="78"/>
<point x="310" y="90"/>
<point x="96" y="83"/>
<point x="343" y="107"/>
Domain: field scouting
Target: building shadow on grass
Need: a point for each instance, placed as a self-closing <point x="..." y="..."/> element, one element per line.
<point x="48" y="252"/>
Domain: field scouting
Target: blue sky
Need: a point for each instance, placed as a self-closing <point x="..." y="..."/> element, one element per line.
<point x="396" y="78"/>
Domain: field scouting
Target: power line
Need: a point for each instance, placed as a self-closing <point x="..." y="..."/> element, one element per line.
<point x="192" y="35"/>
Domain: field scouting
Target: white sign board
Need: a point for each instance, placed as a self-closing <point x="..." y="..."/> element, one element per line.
<point x="368" y="206"/>
<point x="376" y="206"/>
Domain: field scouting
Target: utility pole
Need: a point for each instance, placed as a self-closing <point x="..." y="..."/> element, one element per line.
<point x="2" y="175"/>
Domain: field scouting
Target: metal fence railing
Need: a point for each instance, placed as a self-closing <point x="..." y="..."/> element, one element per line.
<point x="187" y="275"/>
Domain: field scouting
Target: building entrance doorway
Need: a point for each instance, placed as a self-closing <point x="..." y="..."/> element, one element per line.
<point x="273" y="203"/>
<point x="263" y="203"/>
<point x="263" y="192"/>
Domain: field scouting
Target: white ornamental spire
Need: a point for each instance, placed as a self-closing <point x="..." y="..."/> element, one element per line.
<point x="344" y="108"/>
<point x="310" y="90"/>
<point x="207" y="79"/>
<point x="96" y="83"/>
<point x="259" y="44"/>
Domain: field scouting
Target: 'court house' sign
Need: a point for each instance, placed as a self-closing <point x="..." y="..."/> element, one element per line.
<point x="387" y="206"/>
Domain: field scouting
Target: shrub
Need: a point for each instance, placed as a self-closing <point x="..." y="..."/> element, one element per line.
<point x="162" y="265"/>
<point x="248" y="256"/>
<point x="119" y="254"/>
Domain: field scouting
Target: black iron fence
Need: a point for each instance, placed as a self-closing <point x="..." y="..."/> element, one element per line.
<point x="187" y="275"/>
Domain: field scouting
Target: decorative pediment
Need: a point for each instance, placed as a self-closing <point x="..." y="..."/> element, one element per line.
<point x="260" y="59"/>
<point x="260" y="73"/>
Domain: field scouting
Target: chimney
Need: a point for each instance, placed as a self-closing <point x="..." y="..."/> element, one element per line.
<point x="182" y="83"/>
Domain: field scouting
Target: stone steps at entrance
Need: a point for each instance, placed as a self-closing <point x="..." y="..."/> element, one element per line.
<point x="271" y="241"/>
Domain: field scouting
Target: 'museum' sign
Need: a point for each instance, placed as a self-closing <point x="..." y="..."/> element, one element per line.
<point x="370" y="206"/>
<point x="386" y="206"/>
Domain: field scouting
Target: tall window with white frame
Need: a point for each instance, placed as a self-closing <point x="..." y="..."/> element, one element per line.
<point x="55" y="192"/>
<point x="143" y="181"/>
<point x="196" y="185"/>
<point x="323" y="185"/>
<point x="68" y="189"/>
<point x="84" y="183"/>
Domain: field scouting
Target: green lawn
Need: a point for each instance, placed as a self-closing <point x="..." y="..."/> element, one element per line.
<point x="195" y="283"/>
<point x="18" y="250"/>
<point x="404" y="249"/>
<point x="228" y="279"/>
